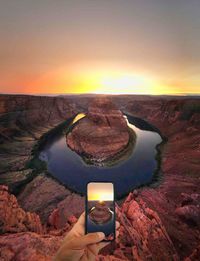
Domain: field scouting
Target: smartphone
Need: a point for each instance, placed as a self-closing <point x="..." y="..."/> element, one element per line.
<point x="100" y="209"/>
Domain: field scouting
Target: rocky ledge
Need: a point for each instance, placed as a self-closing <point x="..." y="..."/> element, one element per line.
<point x="24" y="120"/>
<point x="142" y="234"/>
<point x="171" y="209"/>
<point x="100" y="213"/>
<point x="102" y="134"/>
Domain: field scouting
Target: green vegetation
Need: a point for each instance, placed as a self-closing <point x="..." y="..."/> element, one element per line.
<point x="37" y="165"/>
<point x="157" y="177"/>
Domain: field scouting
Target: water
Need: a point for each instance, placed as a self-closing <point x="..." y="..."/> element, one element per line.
<point x="69" y="168"/>
<point x="106" y="227"/>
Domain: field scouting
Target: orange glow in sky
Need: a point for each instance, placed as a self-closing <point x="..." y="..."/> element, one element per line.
<point x="100" y="191"/>
<point x="97" y="79"/>
<point x="111" y="47"/>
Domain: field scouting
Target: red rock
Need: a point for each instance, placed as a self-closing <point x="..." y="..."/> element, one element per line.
<point x="13" y="218"/>
<point x="189" y="213"/>
<point x="53" y="219"/>
<point x="73" y="205"/>
<point x="42" y="195"/>
<point x="72" y="220"/>
<point x="100" y="213"/>
<point x="119" y="253"/>
<point x="28" y="246"/>
<point x="24" y="119"/>
<point x="180" y="166"/>
<point x="142" y="234"/>
<point x="101" y="134"/>
<point x="180" y="169"/>
<point x="193" y="199"/>
<point x="143" y="229"/>
<point x="194" y="256"/>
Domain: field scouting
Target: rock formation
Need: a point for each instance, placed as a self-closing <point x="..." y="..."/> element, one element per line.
<point x="142" y="234"/>
<point x="100" y="213"/>
<point x="189" y="211"/>
<point x="28" y="246"/>
<point x="24" y="119"/>
<point x="69" y="209"/>
<point x="42" y="195"/>
<point x="102" y="134"/>
<point x="13" y="218"/>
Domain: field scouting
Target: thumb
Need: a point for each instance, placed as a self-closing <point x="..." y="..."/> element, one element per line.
<point x="91" y="238"/>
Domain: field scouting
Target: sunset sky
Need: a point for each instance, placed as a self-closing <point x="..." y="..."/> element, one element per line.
<point x="100" y="46"/>
<point x="100" y="191"/>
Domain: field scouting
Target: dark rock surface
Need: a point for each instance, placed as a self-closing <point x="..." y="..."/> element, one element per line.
<point x="189" y="211"/>
<point x="70" y="207"/>
<point x="24" y="119"/>
<point x="42" y="195"/>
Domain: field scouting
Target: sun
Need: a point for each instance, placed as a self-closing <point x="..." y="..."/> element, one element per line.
<point x="103" y="196"/>
<point x="127" y="83"/>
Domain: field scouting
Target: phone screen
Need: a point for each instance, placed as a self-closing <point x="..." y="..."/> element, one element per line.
<point x="100" y="209"/>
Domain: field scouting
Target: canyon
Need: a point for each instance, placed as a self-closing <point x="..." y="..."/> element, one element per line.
<point x="158" y="222"/>
<point x="101" y="134"/>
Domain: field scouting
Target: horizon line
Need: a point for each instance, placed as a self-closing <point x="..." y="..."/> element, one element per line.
<point x="98" y="93"/>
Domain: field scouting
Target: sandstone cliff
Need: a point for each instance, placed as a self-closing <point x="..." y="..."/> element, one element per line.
<point x="142" y="235"/>
<point x="24" y="119"/>
<point x="174" y="199"/>
<point x="102" y="134"/>
<point x="13" y="218"/>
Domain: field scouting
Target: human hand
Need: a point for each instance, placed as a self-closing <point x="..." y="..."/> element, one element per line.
<point x="77" y="246"/>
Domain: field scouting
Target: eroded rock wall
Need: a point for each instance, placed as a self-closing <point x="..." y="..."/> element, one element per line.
<point x="173" y="200"/>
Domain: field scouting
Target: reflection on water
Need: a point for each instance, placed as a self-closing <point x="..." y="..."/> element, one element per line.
<point x="78" y="117"/>
<point x="69" y="168"/>
<point x="100" y="217"/>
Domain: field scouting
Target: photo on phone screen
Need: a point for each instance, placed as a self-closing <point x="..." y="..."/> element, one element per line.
<point x="100" y="209"/>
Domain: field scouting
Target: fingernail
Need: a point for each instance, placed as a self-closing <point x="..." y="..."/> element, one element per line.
<point x="101" y="235"/>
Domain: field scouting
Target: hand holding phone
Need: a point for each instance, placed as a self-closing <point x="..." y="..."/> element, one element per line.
<point x="100" y="209"/>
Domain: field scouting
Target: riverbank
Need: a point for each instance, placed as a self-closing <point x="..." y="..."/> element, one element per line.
<point x="117" y="158"/>
<point x="25" y="118"/>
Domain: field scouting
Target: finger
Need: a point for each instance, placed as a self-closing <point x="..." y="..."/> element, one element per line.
<point x="117" y="224"/>
<point x="83" y="241"/>
<point x="102" y="245"/>
<point x="81" y="220"/>
<point x="94" y="248"/>
<point x="90" y="255"/>
<point x="78" y="229"/>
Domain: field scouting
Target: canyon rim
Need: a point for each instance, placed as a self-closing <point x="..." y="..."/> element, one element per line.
<point x="42" y="211"/>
